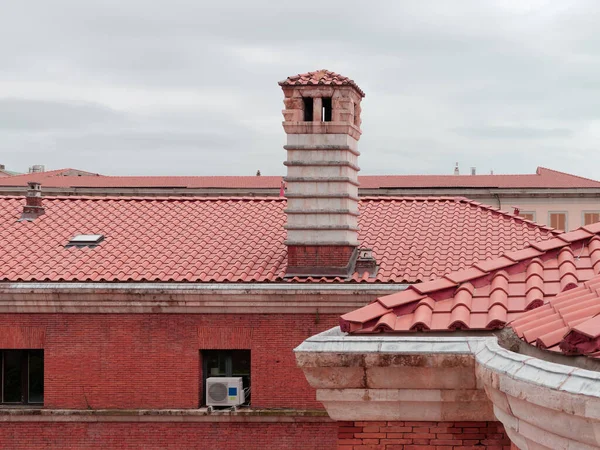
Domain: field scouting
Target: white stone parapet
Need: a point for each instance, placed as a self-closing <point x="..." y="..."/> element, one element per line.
<point x="543" y="405"/>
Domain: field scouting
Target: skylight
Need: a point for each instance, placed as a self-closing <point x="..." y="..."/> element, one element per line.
<point x="85" y="240"/>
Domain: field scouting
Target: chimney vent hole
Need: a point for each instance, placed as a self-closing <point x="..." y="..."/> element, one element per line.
<point x="326" y="110"/>
<point x="308" y="109"/>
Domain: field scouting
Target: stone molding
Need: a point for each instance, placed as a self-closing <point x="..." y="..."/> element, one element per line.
<point x="543" y="405"/>
<point x="160" y="415"/>
<point x="188" y="298"/>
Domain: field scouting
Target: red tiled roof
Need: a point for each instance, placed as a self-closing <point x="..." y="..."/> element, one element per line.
<point x="488" y="294"/>
<point x="542" y="179"/>
<point x="320" y="77"/>
<point x="569" y="322"/>
<point x="242" y="239"/>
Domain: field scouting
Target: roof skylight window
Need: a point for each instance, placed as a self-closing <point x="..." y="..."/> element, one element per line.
<point x="85" y="240"/>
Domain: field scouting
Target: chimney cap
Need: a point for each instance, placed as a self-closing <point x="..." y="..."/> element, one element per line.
<point x="321" y="77"/>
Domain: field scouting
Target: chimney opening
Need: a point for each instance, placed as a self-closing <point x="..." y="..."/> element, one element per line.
<point x="327" y="109"/>
<point x="308" y="109"/>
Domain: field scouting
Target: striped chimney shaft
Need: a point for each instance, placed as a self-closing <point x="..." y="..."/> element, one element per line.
<point x="322" y="123"/>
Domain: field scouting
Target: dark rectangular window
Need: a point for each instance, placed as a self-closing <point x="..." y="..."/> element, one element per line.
<point x="226" y="363"/>
<point x="327" y="109"/>
<point x="308" y="109"/>
<point x="22" y="376"/>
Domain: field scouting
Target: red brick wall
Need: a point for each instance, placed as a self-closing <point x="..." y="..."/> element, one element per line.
<point x="422" y="436"/>
<point x="176" y="436"/>
<point x="319" y="255"/>
<point x="153" y="361"/>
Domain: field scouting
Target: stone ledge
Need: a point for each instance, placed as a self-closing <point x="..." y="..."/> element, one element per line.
<point x="160" y="415"/>
<point x="542" y="404"/>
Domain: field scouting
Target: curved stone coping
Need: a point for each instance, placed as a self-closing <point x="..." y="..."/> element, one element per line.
<point x="542" y="404"/>
<point x="489" y="354"/>
<point x="334" y="340"/>
<point x="24" y="414"/>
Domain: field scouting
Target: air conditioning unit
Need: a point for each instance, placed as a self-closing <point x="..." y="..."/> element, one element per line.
<point x="224" y="391"/>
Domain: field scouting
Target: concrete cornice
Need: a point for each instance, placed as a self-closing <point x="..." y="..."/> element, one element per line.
<point x="189" y="298"/>
<point x="160" y="415"/>
<point x="541" y="404"/>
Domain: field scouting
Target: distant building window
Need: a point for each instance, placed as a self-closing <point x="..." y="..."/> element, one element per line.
<point x="226" y="363"/>
<point x="591" y="217"/>
<point x="527" y="215"/>
<point x="558" y="220"/>
<point x="22" y="376"/>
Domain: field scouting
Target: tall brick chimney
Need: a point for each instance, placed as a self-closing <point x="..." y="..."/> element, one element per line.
<point x="322" y="123"/>
<point x="33" y="207"/>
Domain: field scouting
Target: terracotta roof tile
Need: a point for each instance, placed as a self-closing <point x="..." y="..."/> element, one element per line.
<point x="498" y="291"/>
<point x="202" y="239"/>
<point x="320" y="78"/>
<point x="542" y="179"/>
<point x="569" y="322"/>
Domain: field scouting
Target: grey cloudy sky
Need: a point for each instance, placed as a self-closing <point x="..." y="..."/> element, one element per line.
<point x="189" y="87"/>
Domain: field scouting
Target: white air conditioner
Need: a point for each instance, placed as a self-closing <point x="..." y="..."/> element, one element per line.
<point x="224" y="391"/>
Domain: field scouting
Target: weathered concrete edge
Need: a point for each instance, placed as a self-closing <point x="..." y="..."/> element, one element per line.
<point x="486" y="350"/>
<point x="160" y="415"/>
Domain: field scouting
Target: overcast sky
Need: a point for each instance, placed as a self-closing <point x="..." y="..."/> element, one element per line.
<point x="189" y="87"/>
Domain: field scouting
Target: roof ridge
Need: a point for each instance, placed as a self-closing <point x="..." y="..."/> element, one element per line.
<point x="570" y="175"/>
<point x="42" y="174"/>
<point x="151" y="198"/>
<point x="416" y="292"/>
<point x="501" y="212"/>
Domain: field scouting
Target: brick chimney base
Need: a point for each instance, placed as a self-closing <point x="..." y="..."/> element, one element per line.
<point x="321" y="260"/>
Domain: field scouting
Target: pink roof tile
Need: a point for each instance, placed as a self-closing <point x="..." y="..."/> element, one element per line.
<point x="495" y="293"/>
<point x="201" y="239"/>
<point x="542" y="179"/>
<point x="568" y="322"/>
<point x="320" y="78"/>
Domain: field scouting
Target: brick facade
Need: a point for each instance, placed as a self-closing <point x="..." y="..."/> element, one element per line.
<point x="165" y="436"/>
<point x="318" y="256"/>
<point x="141" y="361"/>
<point x="422" y="436"/>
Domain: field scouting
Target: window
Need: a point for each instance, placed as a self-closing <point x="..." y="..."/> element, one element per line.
<point x="527" y="215"/>
<point x="591" y="217"/>
<point x="22" y="376"/>
<point x="308" y="109"/>
<point x="327" y="109"/>
<point x="85" y="240"/>
<point x="558" y="220"/>
<point x="226" y="363"/>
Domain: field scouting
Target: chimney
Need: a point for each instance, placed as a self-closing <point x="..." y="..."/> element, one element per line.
<point x="33" y="202"/>
<point x="456" y="171"/>
<point x="322" y="123"/>
<point x="473" y="171"/>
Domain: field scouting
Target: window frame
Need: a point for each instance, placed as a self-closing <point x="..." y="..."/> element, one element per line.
<point x="204" y="356"/>
<point x="25" y="377"/>
<point x="566" y="214"/>
<point x="533" y="214"/>
<point x="584" y="212"/>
